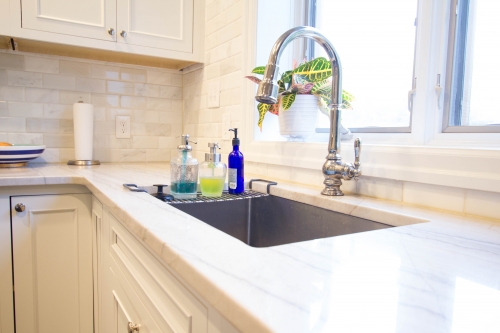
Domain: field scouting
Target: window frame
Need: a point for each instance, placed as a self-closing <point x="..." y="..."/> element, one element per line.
<point x="459" y="11"/>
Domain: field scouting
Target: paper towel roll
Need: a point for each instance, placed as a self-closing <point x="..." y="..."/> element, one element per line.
<point x="83" y="121"/>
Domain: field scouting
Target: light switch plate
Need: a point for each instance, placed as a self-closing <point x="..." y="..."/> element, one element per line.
<point x="122" y="127"/>
<point x="213" y="94"/>
<point x="226" y="125"/>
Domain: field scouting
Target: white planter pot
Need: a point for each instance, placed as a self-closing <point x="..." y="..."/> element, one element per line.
<point x="299" y="121"/>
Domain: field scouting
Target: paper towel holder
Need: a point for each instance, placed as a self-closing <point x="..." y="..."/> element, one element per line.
<point x="83" y="162"/>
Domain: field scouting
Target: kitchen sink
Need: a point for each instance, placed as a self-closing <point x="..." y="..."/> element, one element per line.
<point x="270" y="220"/>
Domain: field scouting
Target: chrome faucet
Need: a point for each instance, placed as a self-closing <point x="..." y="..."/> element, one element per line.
<point x="334" y="169"/>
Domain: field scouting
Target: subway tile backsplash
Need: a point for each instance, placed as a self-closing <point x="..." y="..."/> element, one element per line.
<point x="37" y="93"/>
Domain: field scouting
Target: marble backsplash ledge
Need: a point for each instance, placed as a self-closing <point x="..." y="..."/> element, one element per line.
<point x="37" y="93"/>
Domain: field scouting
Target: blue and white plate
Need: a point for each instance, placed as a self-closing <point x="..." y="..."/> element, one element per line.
<point x="20" y="153"/>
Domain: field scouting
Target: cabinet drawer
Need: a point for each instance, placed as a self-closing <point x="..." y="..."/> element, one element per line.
<point x="171" y="305"/>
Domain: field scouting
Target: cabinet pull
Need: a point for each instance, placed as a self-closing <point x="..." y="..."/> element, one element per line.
<point x="123" y="33"/>
<point x="111" y="31"/>
<point x="20" y="207"/>
<point x="132" y="328"/>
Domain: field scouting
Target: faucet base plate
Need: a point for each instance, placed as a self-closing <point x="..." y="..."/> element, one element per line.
<point x="332" y="191"/>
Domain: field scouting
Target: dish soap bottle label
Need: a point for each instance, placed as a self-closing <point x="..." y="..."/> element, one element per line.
<point x="231" y="178"/>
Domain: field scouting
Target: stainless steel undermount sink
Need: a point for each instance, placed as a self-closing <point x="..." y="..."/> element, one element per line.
<point x="269" y="220"/>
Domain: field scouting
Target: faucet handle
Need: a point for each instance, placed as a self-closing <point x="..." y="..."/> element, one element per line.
<point x="357" y="152"/>
<point x="356" y="171"/>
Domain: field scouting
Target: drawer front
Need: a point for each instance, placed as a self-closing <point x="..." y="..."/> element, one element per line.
<point x="171" y="305"/>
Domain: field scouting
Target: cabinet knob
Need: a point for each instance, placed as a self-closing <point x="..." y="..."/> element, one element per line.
<point x="20" y="207"/>
<point x="111" y="31"/>
<point x="123" y="33"/>
<point x="133" y="328"/>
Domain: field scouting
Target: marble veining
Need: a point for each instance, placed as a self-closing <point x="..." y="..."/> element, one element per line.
<point x="438" y="272"/>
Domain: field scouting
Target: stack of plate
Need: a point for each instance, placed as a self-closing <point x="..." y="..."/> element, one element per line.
<point x="19" y="155"/>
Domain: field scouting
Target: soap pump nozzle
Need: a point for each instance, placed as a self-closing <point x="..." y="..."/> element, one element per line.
<point x="213" y="156"/>
<point x="184" y="146"/>
<point x="236" y="140"/>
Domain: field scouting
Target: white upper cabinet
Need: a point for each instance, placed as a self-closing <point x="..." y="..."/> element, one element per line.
<point x="164" y="24"/>
<point x="168" y="29"/>
<point x="89" y="18"/>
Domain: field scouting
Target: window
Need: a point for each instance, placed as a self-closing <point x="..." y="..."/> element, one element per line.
<point x="376" y="44"/>
<point x="473" y="71"/>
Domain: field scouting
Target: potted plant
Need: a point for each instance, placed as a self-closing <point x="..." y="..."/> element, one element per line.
<point x="302" y="91"/>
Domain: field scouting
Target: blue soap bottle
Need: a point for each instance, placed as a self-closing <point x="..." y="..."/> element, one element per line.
<point x="235" y="179"/>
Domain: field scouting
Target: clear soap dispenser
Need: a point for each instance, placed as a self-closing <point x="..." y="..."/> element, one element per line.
<point x="184" y="171"/>
<point x="212" y="173"/>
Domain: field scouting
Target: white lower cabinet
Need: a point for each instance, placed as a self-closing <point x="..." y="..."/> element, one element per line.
<point x="52" y="256"/>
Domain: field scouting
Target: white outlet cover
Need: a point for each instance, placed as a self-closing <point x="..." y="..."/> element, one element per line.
<point x="122" y="127"/>
<point x="213" y="98"/>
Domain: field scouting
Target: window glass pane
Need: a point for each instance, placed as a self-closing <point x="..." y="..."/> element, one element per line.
<point x="481" y="67"/>
<point x="375" y="41"/>
<point x="266" y="37"/>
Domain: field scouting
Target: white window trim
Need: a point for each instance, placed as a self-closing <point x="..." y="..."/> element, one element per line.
<point x="465" y="160"/>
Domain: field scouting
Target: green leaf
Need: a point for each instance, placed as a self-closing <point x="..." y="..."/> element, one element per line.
<point x="259" y="70"/>
<point x="316" y="70"/>
<point x="325" y="99"/>
<point x="347" y="98"/>
<point x="262" y="108"/>
<point x="322" y="86"/>
<point x="287" y="77"/>
<point x="281" y="86"/>
<point x="299" y="80"/>
<point x="323" y="106"/>
<point x="287" y="101"/>
<point x="325" y="95"/>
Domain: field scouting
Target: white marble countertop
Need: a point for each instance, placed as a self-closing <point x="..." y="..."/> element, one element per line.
<point x="437" y="276"/>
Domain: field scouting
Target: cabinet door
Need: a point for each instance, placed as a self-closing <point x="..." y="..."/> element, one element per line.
<point x="163" y="24"/>
<point x="89" y="18"/>
<point x="52" y="252"/>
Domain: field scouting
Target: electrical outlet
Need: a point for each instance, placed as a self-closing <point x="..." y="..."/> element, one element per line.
<point x="226" y="125"/>
<point x="213" y="95"/>
<point x="122" y="127"/>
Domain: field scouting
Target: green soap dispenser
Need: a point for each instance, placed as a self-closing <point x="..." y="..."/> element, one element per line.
<point x="212" y="173"/>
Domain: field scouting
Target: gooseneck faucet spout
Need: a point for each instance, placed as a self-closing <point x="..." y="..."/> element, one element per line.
<point x="334" y="169"/>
